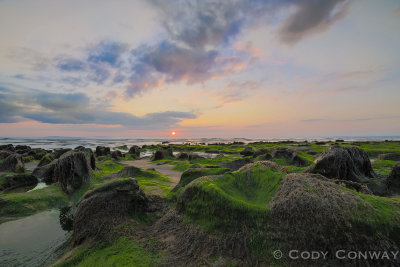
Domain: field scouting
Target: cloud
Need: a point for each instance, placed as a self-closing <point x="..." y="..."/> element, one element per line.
<point x="106" y="52"/>
<point x="76" y="108"/>
<point x="310" y="17"/>
<point x="70" y="64"/>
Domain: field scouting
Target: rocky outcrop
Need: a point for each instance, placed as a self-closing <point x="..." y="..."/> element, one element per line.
<point x="393" y="181"/>
<point x="8" y="147"/>
<point x="12" y="163"/>
<point x="116" y="154"/>
<point x="4" y="154"/>
<point x="236" y="164"/>
<point x="265" y="164"/>
<point x="183" y="156"/>
<point x="134" y="151"/>
<point x="11" y="181"/>
<point x="162" y="154"/>
<point x="248" y="151"/>
<point x="344" y="163"/>
<point x="71" y="170"/>
<point x="290" y="155"/>
<point x="102" y="151"/>
<point x="101" y="209"/>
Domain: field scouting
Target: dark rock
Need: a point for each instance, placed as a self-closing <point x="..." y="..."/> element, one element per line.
<point x="290" y="155"/>
<point x="162" y="154"/>
<point x="8" y="147"/>
<point x="339" y="140"/>
<point x="116" y="154"/>
<point x="183" y="156"/>
<point x="193" y="156"/>
<point x="80" y="148"/>
<point x="344" y="163"/>
<point x="101" y="209"/>
<point x="260" y="152"/>
<point x="11" y="181"/>
<point x="45" y="160"/>
<point x="13" y="163"/>
<point x="236" y="164"/>
<point x="393" y="181"/>
<point x="45" y="173"/>
<point x="4" y="154"/>
<point x="248" y="151"/>
<point x="390" y="156"/>
<point x="102" y="151"/>
<point x="72" y="170"/>
<point x="129" y="171"/>
<point x="59" y="152"/>
<point x="134" y="151"/>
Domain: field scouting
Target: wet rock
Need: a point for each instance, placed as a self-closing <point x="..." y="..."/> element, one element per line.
<point x="101" y="209"/>
<point x="344" y="163"/>
<point x="248" y="151"/>
<point x="235" y="164"/>
<point x="102" y="151"/>
<point x="162" y="154"/>
<point x="393" y="181"/>
<point x="12" y="180"/>
<point x="8" y="147"/>
<point x="59" y="152"/>
<point x="13" y="163"/>
<point x="72" y="170"/>
<point x="4" y="154"/>
<point x="134" y="151"/>
<point x="183" y="156"/>
<point x="259" y="152"/>
<point x="116" y="154"/>
<point x="290" y="155"/>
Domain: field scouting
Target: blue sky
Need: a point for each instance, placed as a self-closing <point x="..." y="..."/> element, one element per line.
<point x="242" y="68"/>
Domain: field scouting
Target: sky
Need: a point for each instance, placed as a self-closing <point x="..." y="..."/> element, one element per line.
<point x="240" y="68"/>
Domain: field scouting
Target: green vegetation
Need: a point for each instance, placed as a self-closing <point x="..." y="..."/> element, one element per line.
<point x="107" y="167"/>
<point x="24" y="204"/>
<point x="121" y="252"/>
<point x="380" y="218"/>
<point x="124" y="147"/>
<point x="231" y="201"/>
<point x="383" y="166"/>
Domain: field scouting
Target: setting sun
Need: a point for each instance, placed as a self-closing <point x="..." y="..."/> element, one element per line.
<point x="173" y="133"/>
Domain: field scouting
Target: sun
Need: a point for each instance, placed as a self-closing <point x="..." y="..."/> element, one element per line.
<point x="173" y="133"/>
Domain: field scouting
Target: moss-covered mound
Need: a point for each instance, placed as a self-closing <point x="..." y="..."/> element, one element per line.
<point x="309" y="212"/>
<point x="230" y="202"/>
<point x="14" y="180"/>
<point x="194" y="173"/>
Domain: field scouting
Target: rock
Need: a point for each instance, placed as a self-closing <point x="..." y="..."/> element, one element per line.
<point x="11" y="181"/>
<point x="183" y="156"/>
<point x="235" y="164"/>
<point x="22" y="149"/>
<point x="116" y="154"/>
<point x="130" y="171"/>
<point x="260" y="152"/>
<point x="310" y="212"/>
<point x="72" y="170"/>
<point x="344" y="163"/>
<point x="13" y="163"/>
<point x="390" y="156"/>
<point x="45" y="173"/>
<point x="193" y="173"/>
<point x="134" y="151"/>
<point x="393" y="181"/>
<point x="4" y="154"/>
<point x="80" y="148"/>
<point x="59" y="152"/>
<point x="8" y="147"/>
<point x="101" y="209"/>
<point x="266" y="164"/>
<point x="290" y="155"/>
<point x="102" y="151"/>
<point x="193" y="156"/>
<point x="162" y="154"/>
<point x="248" y="151"/>
<point x="45" y="160"/>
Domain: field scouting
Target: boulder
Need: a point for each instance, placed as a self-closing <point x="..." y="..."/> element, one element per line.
<point x="4" y="154"/>
<point x="72" y="170"/>
<point x="8" y="147"/>
<point x="116" y="154"/>
<point x="265" y="164"/>
<point x="46" y="159"/>
<point x="101" y="209"/>
<point x="13" y="163"/>
<point x="59" y="152"/>
<point x="102" y="151"/>
<point x="162" y="154"/>
<point x="393" y="181"/>
<point x="344" y="163"/>
<point x="290" y="155"/>
<point x="183" y="156"/>
<point x="134" y="151"/>
<point x="22" y="149"/>
<point x="310" y="212"/>
<point x="259" y="152"/>
<point x="248" y="151"/>
<point x="236" y="164"/>
<point x="11" y="181"/>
